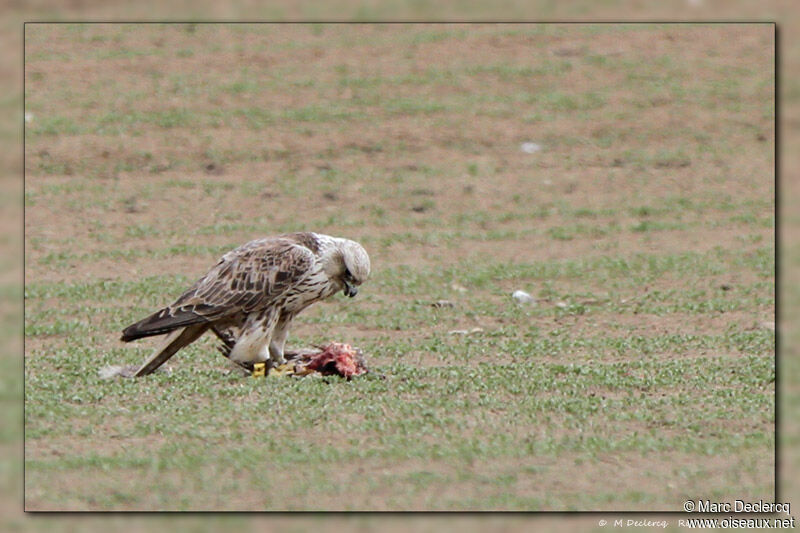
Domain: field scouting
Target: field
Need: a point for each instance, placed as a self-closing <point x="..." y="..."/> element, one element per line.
<point x="623" y="175"/>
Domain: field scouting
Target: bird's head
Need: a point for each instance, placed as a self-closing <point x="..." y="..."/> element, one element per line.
<point x="350" y="266"/>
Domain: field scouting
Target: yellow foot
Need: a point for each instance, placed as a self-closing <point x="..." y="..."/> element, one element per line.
<point x="286" y="369"/>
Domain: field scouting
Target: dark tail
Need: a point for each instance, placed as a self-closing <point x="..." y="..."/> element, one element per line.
<point x="174" y="342"/>
<point x="159" y="323"/>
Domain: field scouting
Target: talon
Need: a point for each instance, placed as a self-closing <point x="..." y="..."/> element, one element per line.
<point x="285" y="369"/>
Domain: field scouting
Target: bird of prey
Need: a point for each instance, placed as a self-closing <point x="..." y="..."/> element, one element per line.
<point x="250" y="297"/>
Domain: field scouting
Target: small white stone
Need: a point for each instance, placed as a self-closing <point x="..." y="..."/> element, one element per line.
<point x="530" y="147"/>
<point x="561" y="305"/>
<point x="465" y="331"/>
<point x="522" y="297"/>
<point x="28" y="117"/>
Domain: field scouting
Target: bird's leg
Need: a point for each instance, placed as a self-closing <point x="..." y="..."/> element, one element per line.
<point x="226" y="351"/>
<point x="228" y="342"/>
<point x="276" y="352"/>
<point x="278" y="342"/>
<point x="252" y="344"/>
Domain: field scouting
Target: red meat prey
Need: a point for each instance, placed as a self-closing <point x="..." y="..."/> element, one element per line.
<point x="338" y="358"/>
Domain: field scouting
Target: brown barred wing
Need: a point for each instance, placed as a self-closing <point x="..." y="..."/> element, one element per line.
<point x="249" y="278"/>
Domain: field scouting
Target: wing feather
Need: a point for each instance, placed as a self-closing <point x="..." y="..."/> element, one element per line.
<point x="249" y="278"/>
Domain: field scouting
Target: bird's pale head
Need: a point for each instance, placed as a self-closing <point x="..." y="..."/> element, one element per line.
<point x="352" y="268"/>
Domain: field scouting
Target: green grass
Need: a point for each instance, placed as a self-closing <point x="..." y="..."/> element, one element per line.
<point x="672" y="392"/>
<point x="412" y="415"/>
<point x="644" y="229"/>
<point x="555" y="221"/>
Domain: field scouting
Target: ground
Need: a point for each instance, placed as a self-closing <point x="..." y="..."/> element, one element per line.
<point x="641" y="221"/>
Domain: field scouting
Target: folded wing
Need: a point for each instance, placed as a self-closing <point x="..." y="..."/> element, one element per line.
<point x="249" y="278"/>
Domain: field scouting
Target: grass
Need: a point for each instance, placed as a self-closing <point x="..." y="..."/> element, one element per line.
<point x="676" y="392"/>
<point x="412" y="415"/>
<point x="643" y="228"/>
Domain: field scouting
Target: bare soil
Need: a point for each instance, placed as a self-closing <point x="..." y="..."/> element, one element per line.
<point x="89" y="192"/>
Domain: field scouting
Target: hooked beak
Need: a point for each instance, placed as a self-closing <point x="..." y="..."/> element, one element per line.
<point x="350" y="290"/>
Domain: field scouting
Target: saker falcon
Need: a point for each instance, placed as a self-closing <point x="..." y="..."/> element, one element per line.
<point x="250" y="297"/>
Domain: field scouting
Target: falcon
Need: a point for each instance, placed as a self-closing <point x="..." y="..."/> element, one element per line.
<point x="250" y="297"/>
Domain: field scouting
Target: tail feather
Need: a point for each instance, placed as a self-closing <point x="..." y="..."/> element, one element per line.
<point x="159" y="323"/>
<point x="174" y="341"/>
